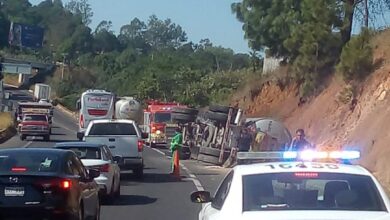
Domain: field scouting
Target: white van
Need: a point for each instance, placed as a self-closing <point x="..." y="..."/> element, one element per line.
<point x="93" y="105"/>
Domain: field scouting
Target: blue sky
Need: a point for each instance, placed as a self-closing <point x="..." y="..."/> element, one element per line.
<point x="199" y="18"/>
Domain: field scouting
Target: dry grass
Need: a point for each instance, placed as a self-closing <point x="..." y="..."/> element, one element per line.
<point x="5" y="120"/>
<point x="11" y="79"/>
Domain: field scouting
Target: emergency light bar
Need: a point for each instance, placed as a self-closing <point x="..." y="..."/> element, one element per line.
<point x="306" y="155"/>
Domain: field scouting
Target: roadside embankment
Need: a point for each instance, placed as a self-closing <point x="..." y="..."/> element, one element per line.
<point x="7" y="126"/>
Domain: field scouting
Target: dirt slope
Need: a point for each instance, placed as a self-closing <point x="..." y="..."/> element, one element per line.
<point x="329" y="122"/>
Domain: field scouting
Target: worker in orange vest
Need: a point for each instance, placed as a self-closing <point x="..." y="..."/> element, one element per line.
<point x="175" y="148"/>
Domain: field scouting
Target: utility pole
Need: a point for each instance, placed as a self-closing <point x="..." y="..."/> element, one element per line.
<point x="63" y="65"/>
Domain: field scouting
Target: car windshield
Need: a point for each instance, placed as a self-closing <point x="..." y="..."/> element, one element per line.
<point x="92" y="153"/>
<point x="29" y="162"/>
<point x="35" y="118"/>
<point x="113" y="129"/>
<point x="310" y="191"/>
<point x="160" y="117"/>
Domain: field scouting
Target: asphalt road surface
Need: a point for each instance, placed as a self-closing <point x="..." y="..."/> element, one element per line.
<point x="156" y="196"/>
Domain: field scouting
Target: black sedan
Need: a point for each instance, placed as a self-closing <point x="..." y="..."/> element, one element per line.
<point x="46" y="184"/>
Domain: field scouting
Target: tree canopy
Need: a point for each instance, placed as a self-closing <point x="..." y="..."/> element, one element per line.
<point x="150" y="59"/>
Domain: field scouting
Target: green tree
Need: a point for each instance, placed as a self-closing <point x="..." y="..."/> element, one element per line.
<point x="356" y="60"/>
<point x="163" y="33"/>
<point x="81" y="8"/>
<point x="104" y="38"/>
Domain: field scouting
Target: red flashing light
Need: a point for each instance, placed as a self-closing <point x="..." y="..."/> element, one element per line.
<point x="140" y="145"/>
<point x="19" y="169"/>
<point x="306" y="175"/>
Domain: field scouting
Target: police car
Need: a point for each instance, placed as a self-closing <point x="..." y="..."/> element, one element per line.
<point x="298" y="188"/>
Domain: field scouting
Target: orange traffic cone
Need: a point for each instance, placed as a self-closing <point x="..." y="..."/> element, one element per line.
<point x="176" y="164"/>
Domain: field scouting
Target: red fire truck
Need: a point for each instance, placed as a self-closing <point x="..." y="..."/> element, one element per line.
<point x="158" y="122"/>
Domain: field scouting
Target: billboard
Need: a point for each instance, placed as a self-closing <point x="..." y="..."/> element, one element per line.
<point x="22" y="35"/>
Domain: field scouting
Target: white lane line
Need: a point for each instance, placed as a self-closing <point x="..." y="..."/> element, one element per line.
<point x="158" y="151"/>
<point x="28" y="144"/>
<point x="192" y="177"/>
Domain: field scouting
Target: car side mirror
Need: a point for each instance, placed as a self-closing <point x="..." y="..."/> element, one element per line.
<point x="80" y="135"/>
<point x="144" y="135"/>
<point x="78" y="104"/>
<point x="117" y="159"/>
<point x="93" y="173"/>
<point x="201" y="197"/>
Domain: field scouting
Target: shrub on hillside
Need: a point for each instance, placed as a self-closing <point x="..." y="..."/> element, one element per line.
<point x="69" y="101"/>
<point x="346" y="95"/>
<point x="356" y="58"/>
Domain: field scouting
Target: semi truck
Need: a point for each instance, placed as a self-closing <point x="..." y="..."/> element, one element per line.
<point x="42" y="92"/>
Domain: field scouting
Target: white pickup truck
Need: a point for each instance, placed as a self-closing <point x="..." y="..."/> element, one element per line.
<point x="123" y="137"/>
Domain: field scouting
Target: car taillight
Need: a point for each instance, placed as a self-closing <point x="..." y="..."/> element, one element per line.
<point x="65" y="184"/>
<point x="140" y="145"/>
<point x="19" y="169"/>
<point x="81" y="121"/>
<point x="105" y="168"/>
<point x="55" y="184"/>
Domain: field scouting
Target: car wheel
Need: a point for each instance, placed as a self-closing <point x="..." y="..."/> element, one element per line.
<point x="97" y="216"/>
<point x="46" y="138"/>
<point x="22" y="137"/>
<point x="79" y="215"/>
<point x="118" y="191"/>
<point x="139" y="172"/>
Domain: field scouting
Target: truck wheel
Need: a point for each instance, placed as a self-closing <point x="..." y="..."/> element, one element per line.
<point x="194" y="152"/>
<point x="139" y="172"/>
<point x="22" y="137"/>
<point x="187" y="111"/>
<point x="219" y="108"/>
<point x="210" y="151"/>
<point x="213" y="152"/>
<point x="209" y="159"/>
<point x="46" y="138"/>
<point x="217" y="116"/>
<point x="180" y="117"/>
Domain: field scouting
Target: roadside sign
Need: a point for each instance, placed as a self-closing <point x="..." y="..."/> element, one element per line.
<point x="14" y="68"/>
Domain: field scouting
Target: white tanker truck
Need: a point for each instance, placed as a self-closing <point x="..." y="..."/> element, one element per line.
<point x="128" y="108"/>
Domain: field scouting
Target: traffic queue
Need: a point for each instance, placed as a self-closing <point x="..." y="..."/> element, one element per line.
<point x="72" y="180"/>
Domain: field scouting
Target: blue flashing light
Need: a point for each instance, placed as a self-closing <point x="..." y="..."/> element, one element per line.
<point x="309" y="155"/>
<point x="290" y="155"/>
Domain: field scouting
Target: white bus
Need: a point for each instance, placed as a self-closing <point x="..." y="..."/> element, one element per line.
<point x="94" y="104"/>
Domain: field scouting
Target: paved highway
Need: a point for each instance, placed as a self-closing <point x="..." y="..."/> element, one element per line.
<point x="156" y="196"/>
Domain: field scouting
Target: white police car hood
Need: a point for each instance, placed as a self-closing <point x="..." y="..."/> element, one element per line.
<point x="315" y="215"/>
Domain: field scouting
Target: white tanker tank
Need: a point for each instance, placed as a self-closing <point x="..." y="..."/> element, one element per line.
<point x="128" y="108"/>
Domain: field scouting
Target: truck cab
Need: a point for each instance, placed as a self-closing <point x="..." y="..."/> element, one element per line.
<point x="34" y="125"/>
<point x="158" y="122"/>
